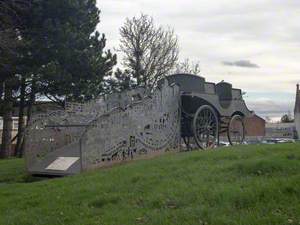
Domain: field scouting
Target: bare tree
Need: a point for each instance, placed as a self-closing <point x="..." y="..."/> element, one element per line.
<point x="187" y="66"/>
<point x="287" y="118"/>
<point x="268" y="119"/>
<point x="150" y="52"/>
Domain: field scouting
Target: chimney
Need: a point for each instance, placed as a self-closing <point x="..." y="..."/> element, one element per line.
<point x="297" y="87"/>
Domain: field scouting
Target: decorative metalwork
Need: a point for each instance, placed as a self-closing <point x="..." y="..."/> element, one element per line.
<point x="149" y="125"/>
<point x="205" y="127"/>
<point x="112" y="127"/>
<point x="135" y="122"/>
<point x="51" y="133"/>
<point x="209" y="111"/>
<point x="236" y="130"/>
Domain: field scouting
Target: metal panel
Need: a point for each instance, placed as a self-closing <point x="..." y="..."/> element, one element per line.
<point x="109" y="128"/>
<point x="151" y="125"/>
<point x="224" y="91"/>
<point x="188" y="82"/>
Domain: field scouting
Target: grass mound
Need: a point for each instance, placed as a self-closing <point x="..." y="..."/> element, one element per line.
<point x="242" y="185"/>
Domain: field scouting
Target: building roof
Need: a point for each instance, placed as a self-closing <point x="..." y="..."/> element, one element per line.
<point x="280" y="125"/>
<point x="254" y="118"/>
<point x="297" y="102"/>
<point x="258" y="117"/>
<point x="38" y="107"/>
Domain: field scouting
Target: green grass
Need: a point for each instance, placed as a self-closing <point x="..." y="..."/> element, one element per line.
<point x="245" y="185"/>
<point x="12" y="171"/>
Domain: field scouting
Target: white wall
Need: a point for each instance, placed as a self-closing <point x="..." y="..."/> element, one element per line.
<point x="297" y="122"/>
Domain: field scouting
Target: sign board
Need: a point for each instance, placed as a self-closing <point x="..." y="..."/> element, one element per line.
<point x="62" y="163"/>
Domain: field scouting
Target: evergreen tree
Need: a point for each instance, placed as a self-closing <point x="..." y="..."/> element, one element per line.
<point x="120" y="81"/>
<point x="11" y="13"/>
<point x="68" y="55"/>
<point x="61" y="56"/>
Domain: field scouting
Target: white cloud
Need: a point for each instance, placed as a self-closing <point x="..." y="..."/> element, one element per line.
<point x="241" y="63"/>
<point x="265" y="32"/>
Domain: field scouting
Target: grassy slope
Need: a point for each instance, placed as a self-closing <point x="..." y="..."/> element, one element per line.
<point x="245" y="185"/>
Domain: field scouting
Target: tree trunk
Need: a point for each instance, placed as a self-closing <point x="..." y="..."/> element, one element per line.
<point x="1" y="100"/>
<point x="1" y="90"/>
<point x="31" y="101"/>
<point x="29" y="111"/>
<point x="21" y="122"/>
<point x="7" y="121"/>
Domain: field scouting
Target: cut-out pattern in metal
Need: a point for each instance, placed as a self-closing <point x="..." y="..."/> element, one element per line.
<point x="149" y="125"/>
<point x="112" y="127"/>
<point x="135" y="122"/>
<point x="210" y="111"/>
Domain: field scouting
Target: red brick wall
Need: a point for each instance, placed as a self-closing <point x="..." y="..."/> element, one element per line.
<point x="255" y="126"/>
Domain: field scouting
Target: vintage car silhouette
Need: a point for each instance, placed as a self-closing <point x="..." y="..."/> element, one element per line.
<point x="209" y="110"/>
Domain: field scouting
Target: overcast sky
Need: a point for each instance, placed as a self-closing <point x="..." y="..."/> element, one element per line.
<point x="254" y="44"/>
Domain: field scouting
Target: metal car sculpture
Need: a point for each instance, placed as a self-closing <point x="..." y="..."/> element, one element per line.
<point x="209" y="110"/>
<point x="134" y="122"/>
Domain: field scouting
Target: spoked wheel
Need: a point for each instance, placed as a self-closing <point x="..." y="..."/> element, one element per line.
<point x="236" y="130"/>
<point x="206" y="127"/>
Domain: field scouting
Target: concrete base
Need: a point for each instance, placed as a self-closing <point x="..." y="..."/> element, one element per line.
<point x="63" y="162"/>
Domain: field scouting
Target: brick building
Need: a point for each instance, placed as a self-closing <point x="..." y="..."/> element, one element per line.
<point x="255" y="128"/>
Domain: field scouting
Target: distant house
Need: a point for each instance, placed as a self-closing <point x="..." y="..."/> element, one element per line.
<point x="297" y="112"/>
<point x="255" y="128"/>
<point x="280" y="130"/>
<point x="39" y="107"/>
<point x="13" y="132"/>
<point x="14" y="126"/>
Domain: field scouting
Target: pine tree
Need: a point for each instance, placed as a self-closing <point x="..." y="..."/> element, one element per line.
<point x="61" y="56"/>
<point x="68" y="54"/>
